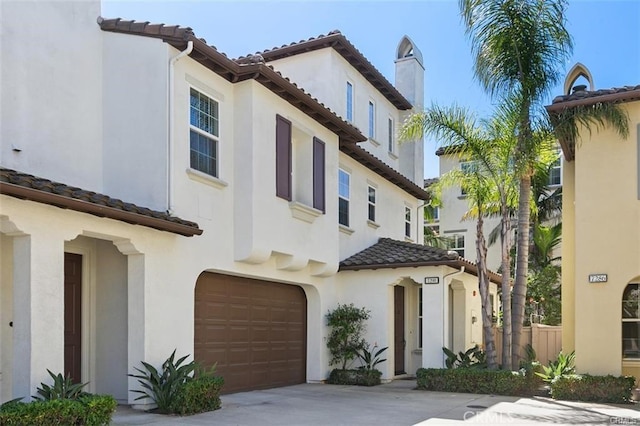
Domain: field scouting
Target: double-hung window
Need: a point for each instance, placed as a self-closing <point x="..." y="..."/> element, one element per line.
<point x="343" y="197"/>
<point x="467" y="167"/>
<point x="390" y="141"/>
<point x="631" y="321"/>
<point x="372" y="120"/>
<point x="204" y="133"/>
<point x="349" y="101"/>
<point x="555" y="172"/>
<point x="371" y="196"/>
<point x="407" y="222"/>
<point x="456" y="243"/>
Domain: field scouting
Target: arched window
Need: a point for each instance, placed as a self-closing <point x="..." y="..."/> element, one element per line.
<point x="631" y="321"/>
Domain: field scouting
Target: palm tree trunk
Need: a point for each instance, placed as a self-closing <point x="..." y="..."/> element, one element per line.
<point x="522" y="267"/>
<point x="505" y="245"/>
<point x="483" y="281"/>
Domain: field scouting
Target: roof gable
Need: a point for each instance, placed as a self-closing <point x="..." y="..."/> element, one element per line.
<point x="336" y="40"/>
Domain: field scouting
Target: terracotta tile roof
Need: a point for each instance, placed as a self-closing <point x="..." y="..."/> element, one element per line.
<point x="378" y="166"/>
<point x="390" y="253"/>
<point x="252" y="67"/>
<point x="29" y="187"/>
<point x="336" y="40"/>
<point x="590" y="97"/>
<point x="582" y="97"/>
<point x="430" y="181"/>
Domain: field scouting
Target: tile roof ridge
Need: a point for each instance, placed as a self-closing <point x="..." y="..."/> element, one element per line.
<point x="585" y="94"/>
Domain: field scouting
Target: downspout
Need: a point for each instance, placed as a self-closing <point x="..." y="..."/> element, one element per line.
<point x="445" y="285"/>
<point x="170" y="125"/>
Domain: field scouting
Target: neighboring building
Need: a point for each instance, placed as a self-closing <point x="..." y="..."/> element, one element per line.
<point x="600" y="273"/>
<point x="263" y="208"/>
<point x="458" y="232"/>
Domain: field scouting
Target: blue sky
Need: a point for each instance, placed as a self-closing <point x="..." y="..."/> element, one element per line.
<point x="606" y="37"/>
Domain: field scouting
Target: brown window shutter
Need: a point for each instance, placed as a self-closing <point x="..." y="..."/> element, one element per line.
<point x="283" y="158"/>
<point x="318" y="175"/>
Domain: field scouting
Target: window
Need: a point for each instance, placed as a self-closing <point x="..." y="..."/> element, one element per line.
<point x="372" y="120"/>
<point x="343" y="197"/>
<point x="283" y="158"/>
<point x="204" y="132"/>
<point x="300" y="166"/>
<point x="372" y="203"/>
<point x="555" y="172"/>
<point x="631" y="322"/>
<point x="455" y="242"/>
<point x="390" y="129"/>
<point x="407" y="222"/>
<point x="420" y="318"/>
<point x="349" y="101"/>
<point x="467" y="167"/>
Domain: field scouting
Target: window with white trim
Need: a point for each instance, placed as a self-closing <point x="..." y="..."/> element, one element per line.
<point x="467" y="167"/>
<point x="555" y="172"/>
<point x="372" y="120"/>
<point x="631" y="322"/>
<point x="371" y="198"/>
<point x="349" y="101"/>
<point x="343" y="197"/>
<point x="455" y="242"/>
<point x="407" y="222"/>
<point x="390" y="141"/>
<point x="204" y="119"/>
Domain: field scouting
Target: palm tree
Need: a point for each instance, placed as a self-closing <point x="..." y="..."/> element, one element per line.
<point x="518" y="45"/>
<point x="489" y="186"/>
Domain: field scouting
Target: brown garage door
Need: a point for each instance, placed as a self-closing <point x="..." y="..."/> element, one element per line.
<point x="254" y="330"/>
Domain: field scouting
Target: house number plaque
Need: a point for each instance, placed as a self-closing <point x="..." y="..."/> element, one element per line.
<point x="431" y="280"/>
<point x="598" y="278"/>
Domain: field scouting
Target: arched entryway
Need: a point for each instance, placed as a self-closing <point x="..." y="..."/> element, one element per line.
<point x="255" y="331"/>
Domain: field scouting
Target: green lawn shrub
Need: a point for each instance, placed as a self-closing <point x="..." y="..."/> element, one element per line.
<point x="470" y="380"/>
<point x="360" y="377"/>
<point x="587" y="388"/>
<point x="86" y="410"/>
<point x="198" y="396"/>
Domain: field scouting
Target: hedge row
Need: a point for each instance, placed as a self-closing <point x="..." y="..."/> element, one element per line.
<point x="198" y="396"/>
<point x="470" y="380"/>
<point x="354" y="377"/>
<point x="88" y="410"/>
<point x="587" y="388"/>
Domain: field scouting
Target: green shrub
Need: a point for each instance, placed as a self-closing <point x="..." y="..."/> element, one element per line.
<point x="564" y="365"/>
<point x="472" y="358"/>
<point x="62" y="388"/>
<point x="471" y="380"/>
<point x="360" y="377"/>
<point x="198" y="395"/>
<point x="345" y="338"/>
<point x="162" y="386"/>
<point x="86" y="410"/>
<point x="605" y="389"/>
<point x="370" y="359"/>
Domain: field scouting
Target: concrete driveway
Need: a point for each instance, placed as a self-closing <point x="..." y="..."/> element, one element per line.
<point x="396" y="403"/>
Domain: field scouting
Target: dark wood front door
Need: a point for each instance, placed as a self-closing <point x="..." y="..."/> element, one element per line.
<point x="73" y="316"/>
<point x="398" y="326"/>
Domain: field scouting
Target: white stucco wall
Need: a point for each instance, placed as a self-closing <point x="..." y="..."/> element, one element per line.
<point x="324" y="73"/>
<point x="46" y="71"/>
<point x="454" y="206"/>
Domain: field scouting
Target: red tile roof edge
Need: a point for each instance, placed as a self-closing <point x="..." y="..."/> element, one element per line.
<point x="336" y="40"/>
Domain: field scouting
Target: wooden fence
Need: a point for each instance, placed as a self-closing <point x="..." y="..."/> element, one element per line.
<point x="546" y="340"/>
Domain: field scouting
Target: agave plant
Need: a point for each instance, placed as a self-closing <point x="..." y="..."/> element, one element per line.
<point x="161" y="386"/>
<point x="63" y="388"/>
<point x="564" y="365"/>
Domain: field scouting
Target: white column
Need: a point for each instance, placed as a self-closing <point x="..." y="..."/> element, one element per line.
<point x="433" y="324"/>
<point x="38" y="306"/>
<point x="136" y="320"/>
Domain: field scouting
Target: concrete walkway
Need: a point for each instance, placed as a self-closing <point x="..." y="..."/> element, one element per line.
<point x="396" y="403"/>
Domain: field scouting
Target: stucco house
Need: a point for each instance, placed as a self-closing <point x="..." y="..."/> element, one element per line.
<point x="600" y="275"/>
<point x="158" y="195"/>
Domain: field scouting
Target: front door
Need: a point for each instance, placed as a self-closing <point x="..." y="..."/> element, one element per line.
<point x="398" y="326"/>
<point x="73" y="316"/>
